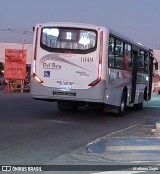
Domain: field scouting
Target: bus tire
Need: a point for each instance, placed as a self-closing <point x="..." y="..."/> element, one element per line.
<point x="122" y="107"/>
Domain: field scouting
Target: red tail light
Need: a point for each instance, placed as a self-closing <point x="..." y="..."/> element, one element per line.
<point x="35" y="51"/>
<point x="100" y="61"/>
<point x="35" y="56"/>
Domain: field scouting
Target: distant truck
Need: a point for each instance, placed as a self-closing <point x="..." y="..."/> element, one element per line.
<point x="156" y="78"/>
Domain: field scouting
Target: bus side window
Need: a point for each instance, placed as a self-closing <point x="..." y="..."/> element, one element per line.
<point x="146" y="62"/>
<point x="141" y="61"/>
<point x="111" y="45"/>
<point x="127" y="57"/>
<point x="119" y="54"/>
<point x="111" y="52"/>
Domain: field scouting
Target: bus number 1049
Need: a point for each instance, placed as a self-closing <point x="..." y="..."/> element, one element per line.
<point x="87" y="59"/>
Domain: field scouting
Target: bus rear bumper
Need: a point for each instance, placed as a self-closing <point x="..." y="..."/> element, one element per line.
<point x="93" y="94"/>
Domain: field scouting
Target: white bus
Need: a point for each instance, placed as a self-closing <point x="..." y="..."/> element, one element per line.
<point x="78" y="64"/>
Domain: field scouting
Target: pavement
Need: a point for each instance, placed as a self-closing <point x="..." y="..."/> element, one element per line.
<point x="138" y="143"/>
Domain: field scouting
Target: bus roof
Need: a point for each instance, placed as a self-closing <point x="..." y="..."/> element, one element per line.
<point x="93" y="26"/>
<point x="128" y="39"/>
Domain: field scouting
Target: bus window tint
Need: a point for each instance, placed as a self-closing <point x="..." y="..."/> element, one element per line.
<point x="119" y="54"/>
<point x="111" y="52"/>
<point x="111" y="45"/>
<point x="127" y="57"/>
<point x="68" y="38"/>
<point x="141" y="61"/>
<point x="146" y="62"/>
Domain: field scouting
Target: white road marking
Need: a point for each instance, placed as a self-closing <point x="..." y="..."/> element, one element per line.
<point x="149" y="106"/>
<point x="119" y="172"/>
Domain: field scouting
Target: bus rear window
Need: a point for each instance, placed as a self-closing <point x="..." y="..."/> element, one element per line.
<point x="73" y="39"/>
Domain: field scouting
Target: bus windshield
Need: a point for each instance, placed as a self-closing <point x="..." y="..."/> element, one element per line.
<point x="60" y="38"/>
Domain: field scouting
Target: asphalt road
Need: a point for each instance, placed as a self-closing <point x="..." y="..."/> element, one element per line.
<point x="36" y="133"/>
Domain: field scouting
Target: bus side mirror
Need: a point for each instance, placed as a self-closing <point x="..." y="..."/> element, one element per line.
<point x="33" y="28"/>
<point x="156" y="65"/>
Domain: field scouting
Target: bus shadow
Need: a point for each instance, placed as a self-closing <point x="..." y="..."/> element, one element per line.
<point x="87" y="113"/>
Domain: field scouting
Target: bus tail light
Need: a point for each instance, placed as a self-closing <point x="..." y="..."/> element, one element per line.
<point x="99" y="76"/>
<point x="100" y="71"/>
<point x="35" y="56"/>
<point x="35" y="51"/>
<point x="100" y="61"/>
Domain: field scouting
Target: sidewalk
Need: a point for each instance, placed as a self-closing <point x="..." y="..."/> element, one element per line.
<point x="133" y="144"/>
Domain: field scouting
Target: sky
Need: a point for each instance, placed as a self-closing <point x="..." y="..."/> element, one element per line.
<point x="137" y="19"/>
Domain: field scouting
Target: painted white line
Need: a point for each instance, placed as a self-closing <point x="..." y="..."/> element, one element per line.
<point x="146" y="162"/>
<point x="118" y="131"/>
<point x="120" y="172"/>
<point x="152" y="106"/>
<point x="134" y="148"/>
<point x="110" y="134"/>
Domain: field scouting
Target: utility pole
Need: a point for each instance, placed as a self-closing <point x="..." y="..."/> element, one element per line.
<point x="23" y="46"/>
